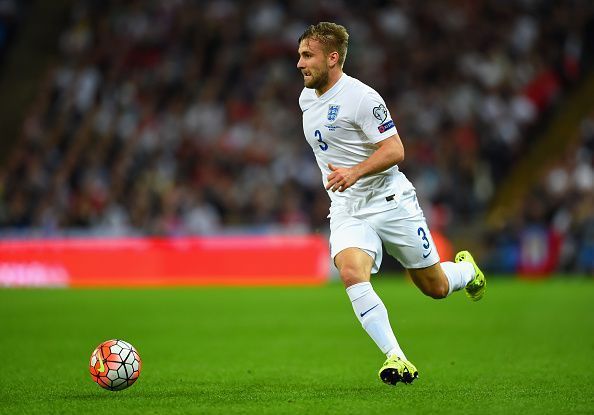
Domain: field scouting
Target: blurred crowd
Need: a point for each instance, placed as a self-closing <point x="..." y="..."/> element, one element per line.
<point x="555" y="230"/>
<point x="569" y="201"/>
<point x="176" y="117"/>
<point x="11" y="15"/>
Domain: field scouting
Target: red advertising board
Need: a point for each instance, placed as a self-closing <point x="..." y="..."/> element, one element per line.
<point x="222" y="260"/>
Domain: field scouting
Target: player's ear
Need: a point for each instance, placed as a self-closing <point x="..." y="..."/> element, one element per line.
<point x="333" y="58"/>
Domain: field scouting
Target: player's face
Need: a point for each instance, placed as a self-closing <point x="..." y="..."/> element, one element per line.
<point x="313" y="64"/>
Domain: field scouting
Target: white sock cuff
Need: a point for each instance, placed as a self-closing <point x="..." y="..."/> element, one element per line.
<point x="458" y="274"/>
<point x="358" y="290"/>
<point x="467" y="269"/>
<point x="449" y="268"/>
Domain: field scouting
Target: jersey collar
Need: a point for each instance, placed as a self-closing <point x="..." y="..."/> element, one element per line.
<point x="335" y="88"/>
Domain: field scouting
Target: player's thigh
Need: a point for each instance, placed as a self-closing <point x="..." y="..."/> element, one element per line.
<point x="349" y="232"/>
<point x="405" y="234"/>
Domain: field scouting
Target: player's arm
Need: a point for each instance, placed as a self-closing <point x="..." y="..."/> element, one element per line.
<point x="389" y="153"/>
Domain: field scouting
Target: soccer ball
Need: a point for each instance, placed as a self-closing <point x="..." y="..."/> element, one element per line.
<point x="115" y="365"/>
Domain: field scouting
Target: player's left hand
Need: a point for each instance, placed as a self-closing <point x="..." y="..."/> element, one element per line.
<point x="341" y="178"/>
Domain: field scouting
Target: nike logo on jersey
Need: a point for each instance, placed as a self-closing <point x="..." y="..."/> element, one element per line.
<point x="362" y="314"/>
<point x="428" y="253"/>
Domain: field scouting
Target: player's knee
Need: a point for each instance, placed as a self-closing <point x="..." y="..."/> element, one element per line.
<point x="351" y="275"/>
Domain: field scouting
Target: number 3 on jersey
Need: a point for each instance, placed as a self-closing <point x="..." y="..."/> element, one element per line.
<point x="323" y="145"/>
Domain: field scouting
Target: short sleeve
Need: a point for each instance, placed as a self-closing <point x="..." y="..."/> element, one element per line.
<point x="374" y="118"/>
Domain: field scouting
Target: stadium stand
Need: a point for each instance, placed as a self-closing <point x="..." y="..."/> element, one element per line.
<point x="181" y="117"/>
<point x="555" y="229"/>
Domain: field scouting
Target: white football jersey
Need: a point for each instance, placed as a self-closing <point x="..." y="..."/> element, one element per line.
<point x="343" y="127"/>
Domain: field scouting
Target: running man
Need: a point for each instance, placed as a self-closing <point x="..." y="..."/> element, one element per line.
<point x="357" y="148"/>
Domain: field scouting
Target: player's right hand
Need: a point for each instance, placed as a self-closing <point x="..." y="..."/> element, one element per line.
<point x="341" y="178"/>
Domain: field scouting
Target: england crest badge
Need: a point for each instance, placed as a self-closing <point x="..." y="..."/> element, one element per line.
<point x="333" y="112"/>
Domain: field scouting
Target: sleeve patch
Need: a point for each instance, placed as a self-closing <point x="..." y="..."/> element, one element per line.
<point x="385" y="126"/>
<point x="380" y="113"/>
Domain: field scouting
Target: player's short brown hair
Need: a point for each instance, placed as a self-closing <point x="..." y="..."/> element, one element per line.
<point x="332" y="36"/>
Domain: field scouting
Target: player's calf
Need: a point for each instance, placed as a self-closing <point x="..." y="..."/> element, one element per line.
<point x="431" y="281"/>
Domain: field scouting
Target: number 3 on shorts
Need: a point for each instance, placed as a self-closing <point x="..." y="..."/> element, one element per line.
<point x="421" y="232"/>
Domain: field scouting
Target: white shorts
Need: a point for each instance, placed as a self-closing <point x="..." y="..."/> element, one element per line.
<point x="403" y="231"/>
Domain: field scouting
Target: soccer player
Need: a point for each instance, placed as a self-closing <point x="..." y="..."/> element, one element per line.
<point x="357" y="148"/>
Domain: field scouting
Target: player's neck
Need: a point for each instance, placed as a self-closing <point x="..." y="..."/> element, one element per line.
<point x="333" y="77"/>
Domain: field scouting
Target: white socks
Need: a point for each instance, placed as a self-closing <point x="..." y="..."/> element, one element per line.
<point x="458" y="274"/>
<point x="372" y="314"/>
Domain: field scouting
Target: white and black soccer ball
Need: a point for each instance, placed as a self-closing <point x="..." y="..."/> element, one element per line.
<point x="115" y="365"/>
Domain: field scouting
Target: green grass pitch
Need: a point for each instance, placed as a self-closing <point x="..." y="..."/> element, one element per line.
<point x="526" y="348"/>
